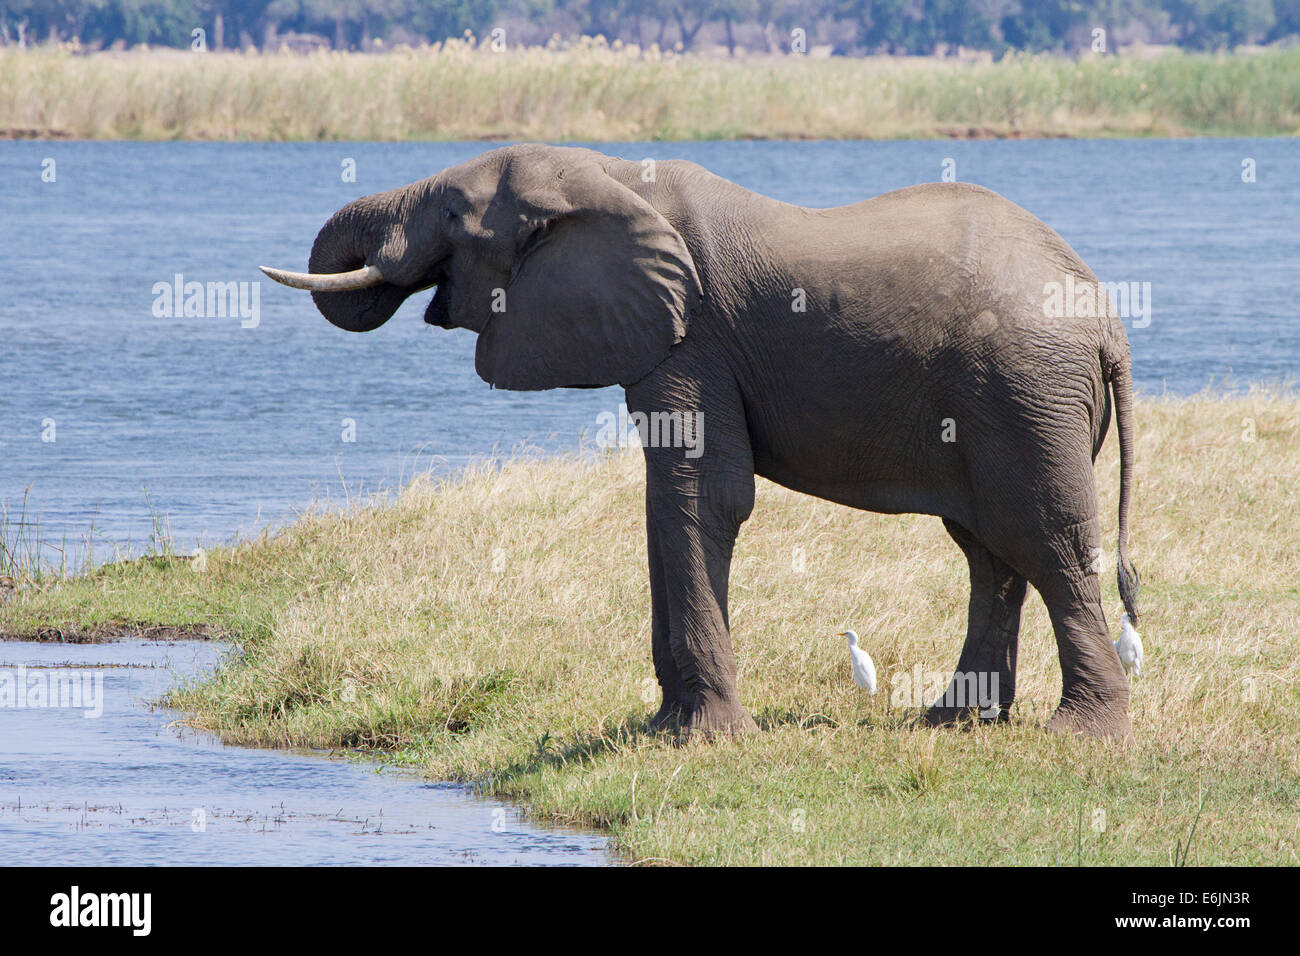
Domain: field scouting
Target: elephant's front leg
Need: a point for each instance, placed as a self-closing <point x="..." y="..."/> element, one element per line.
<point x="698" y="670"/>
<point x="676" y="705"/>
<point x="697" y="496"/>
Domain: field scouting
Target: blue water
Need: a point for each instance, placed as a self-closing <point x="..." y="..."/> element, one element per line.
<point x="113" y="782"/>
<point x="221" y="429"/>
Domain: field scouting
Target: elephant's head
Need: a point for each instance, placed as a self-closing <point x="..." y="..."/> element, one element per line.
<point x="569" y="277"/>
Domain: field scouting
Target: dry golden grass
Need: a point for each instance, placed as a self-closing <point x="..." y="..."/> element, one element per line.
<point x="496" y="629"/>
<point x="594" y="93"/>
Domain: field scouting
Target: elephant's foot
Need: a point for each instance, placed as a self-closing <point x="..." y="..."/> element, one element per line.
<point x="669" y="716"/>
<point x="1093" y="717"/>
<point x="939" y="716"/>
<point x="973" y="701"/>
<point x="715" y="719"/>
<point x="707" y="718"/>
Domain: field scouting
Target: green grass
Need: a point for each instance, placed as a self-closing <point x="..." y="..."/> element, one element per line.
<point x="593" y="92"/>
<point x="495" y="629"/>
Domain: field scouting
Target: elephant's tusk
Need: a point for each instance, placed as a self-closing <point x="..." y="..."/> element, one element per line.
<point x="362" y="278"/>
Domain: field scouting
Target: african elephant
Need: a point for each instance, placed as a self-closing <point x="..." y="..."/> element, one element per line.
<point x="895" y="356"/>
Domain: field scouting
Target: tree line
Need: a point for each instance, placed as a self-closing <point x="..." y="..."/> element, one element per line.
<point x="849" y="27"/>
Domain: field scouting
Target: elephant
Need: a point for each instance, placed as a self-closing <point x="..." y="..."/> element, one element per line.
<point x="897" y="355"/>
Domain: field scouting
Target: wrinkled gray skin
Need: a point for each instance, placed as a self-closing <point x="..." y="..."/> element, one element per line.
<point x="922" y="305"/>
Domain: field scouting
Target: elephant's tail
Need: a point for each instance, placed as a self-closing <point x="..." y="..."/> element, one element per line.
<point x="1121" y="383"/>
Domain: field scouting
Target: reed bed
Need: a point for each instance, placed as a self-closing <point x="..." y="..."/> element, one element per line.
<point x="594" y="92"/>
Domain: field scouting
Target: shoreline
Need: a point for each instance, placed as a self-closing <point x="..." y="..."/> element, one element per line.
<point x="327" y="802"/>
<point x="492" y="629"/>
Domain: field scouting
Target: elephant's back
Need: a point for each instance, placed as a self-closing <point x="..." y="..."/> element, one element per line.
<point x="947" y="259"/>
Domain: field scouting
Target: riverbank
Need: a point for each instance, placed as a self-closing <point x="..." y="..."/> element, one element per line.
<point x="594" y="93"/>
<point x="496" y="630"/>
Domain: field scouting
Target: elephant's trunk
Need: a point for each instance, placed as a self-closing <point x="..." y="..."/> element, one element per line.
<point x="365" y="263"/>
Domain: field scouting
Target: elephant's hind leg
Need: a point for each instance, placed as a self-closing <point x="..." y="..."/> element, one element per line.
<point x="1094" y="691"/>
<point x="1062" y="560"/>
<point x="984" y="684"/>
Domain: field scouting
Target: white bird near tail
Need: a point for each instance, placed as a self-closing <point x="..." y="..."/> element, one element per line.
<point x="864" y="669"/>
<point x="1129" y="647"/>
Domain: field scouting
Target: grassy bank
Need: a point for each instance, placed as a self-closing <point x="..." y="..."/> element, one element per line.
<point x="496" y="630"/>
<point x="596" y="93"/>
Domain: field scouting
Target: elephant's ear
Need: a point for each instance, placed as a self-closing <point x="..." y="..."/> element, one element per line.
<point x="600" y="291"/>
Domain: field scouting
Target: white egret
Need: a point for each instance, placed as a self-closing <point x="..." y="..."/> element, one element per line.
<point x="1129" y="647"/>
<point x="864" y="670"/>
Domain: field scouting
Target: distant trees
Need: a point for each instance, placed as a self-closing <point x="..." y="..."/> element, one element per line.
<point x="1210" y="24"/>
<point x="849" y="26"/>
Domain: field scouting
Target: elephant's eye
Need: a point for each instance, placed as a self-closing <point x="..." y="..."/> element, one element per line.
<point x="449" y="214"/>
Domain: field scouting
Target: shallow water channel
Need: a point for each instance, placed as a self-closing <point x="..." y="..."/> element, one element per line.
<point x="111" y="781"/>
